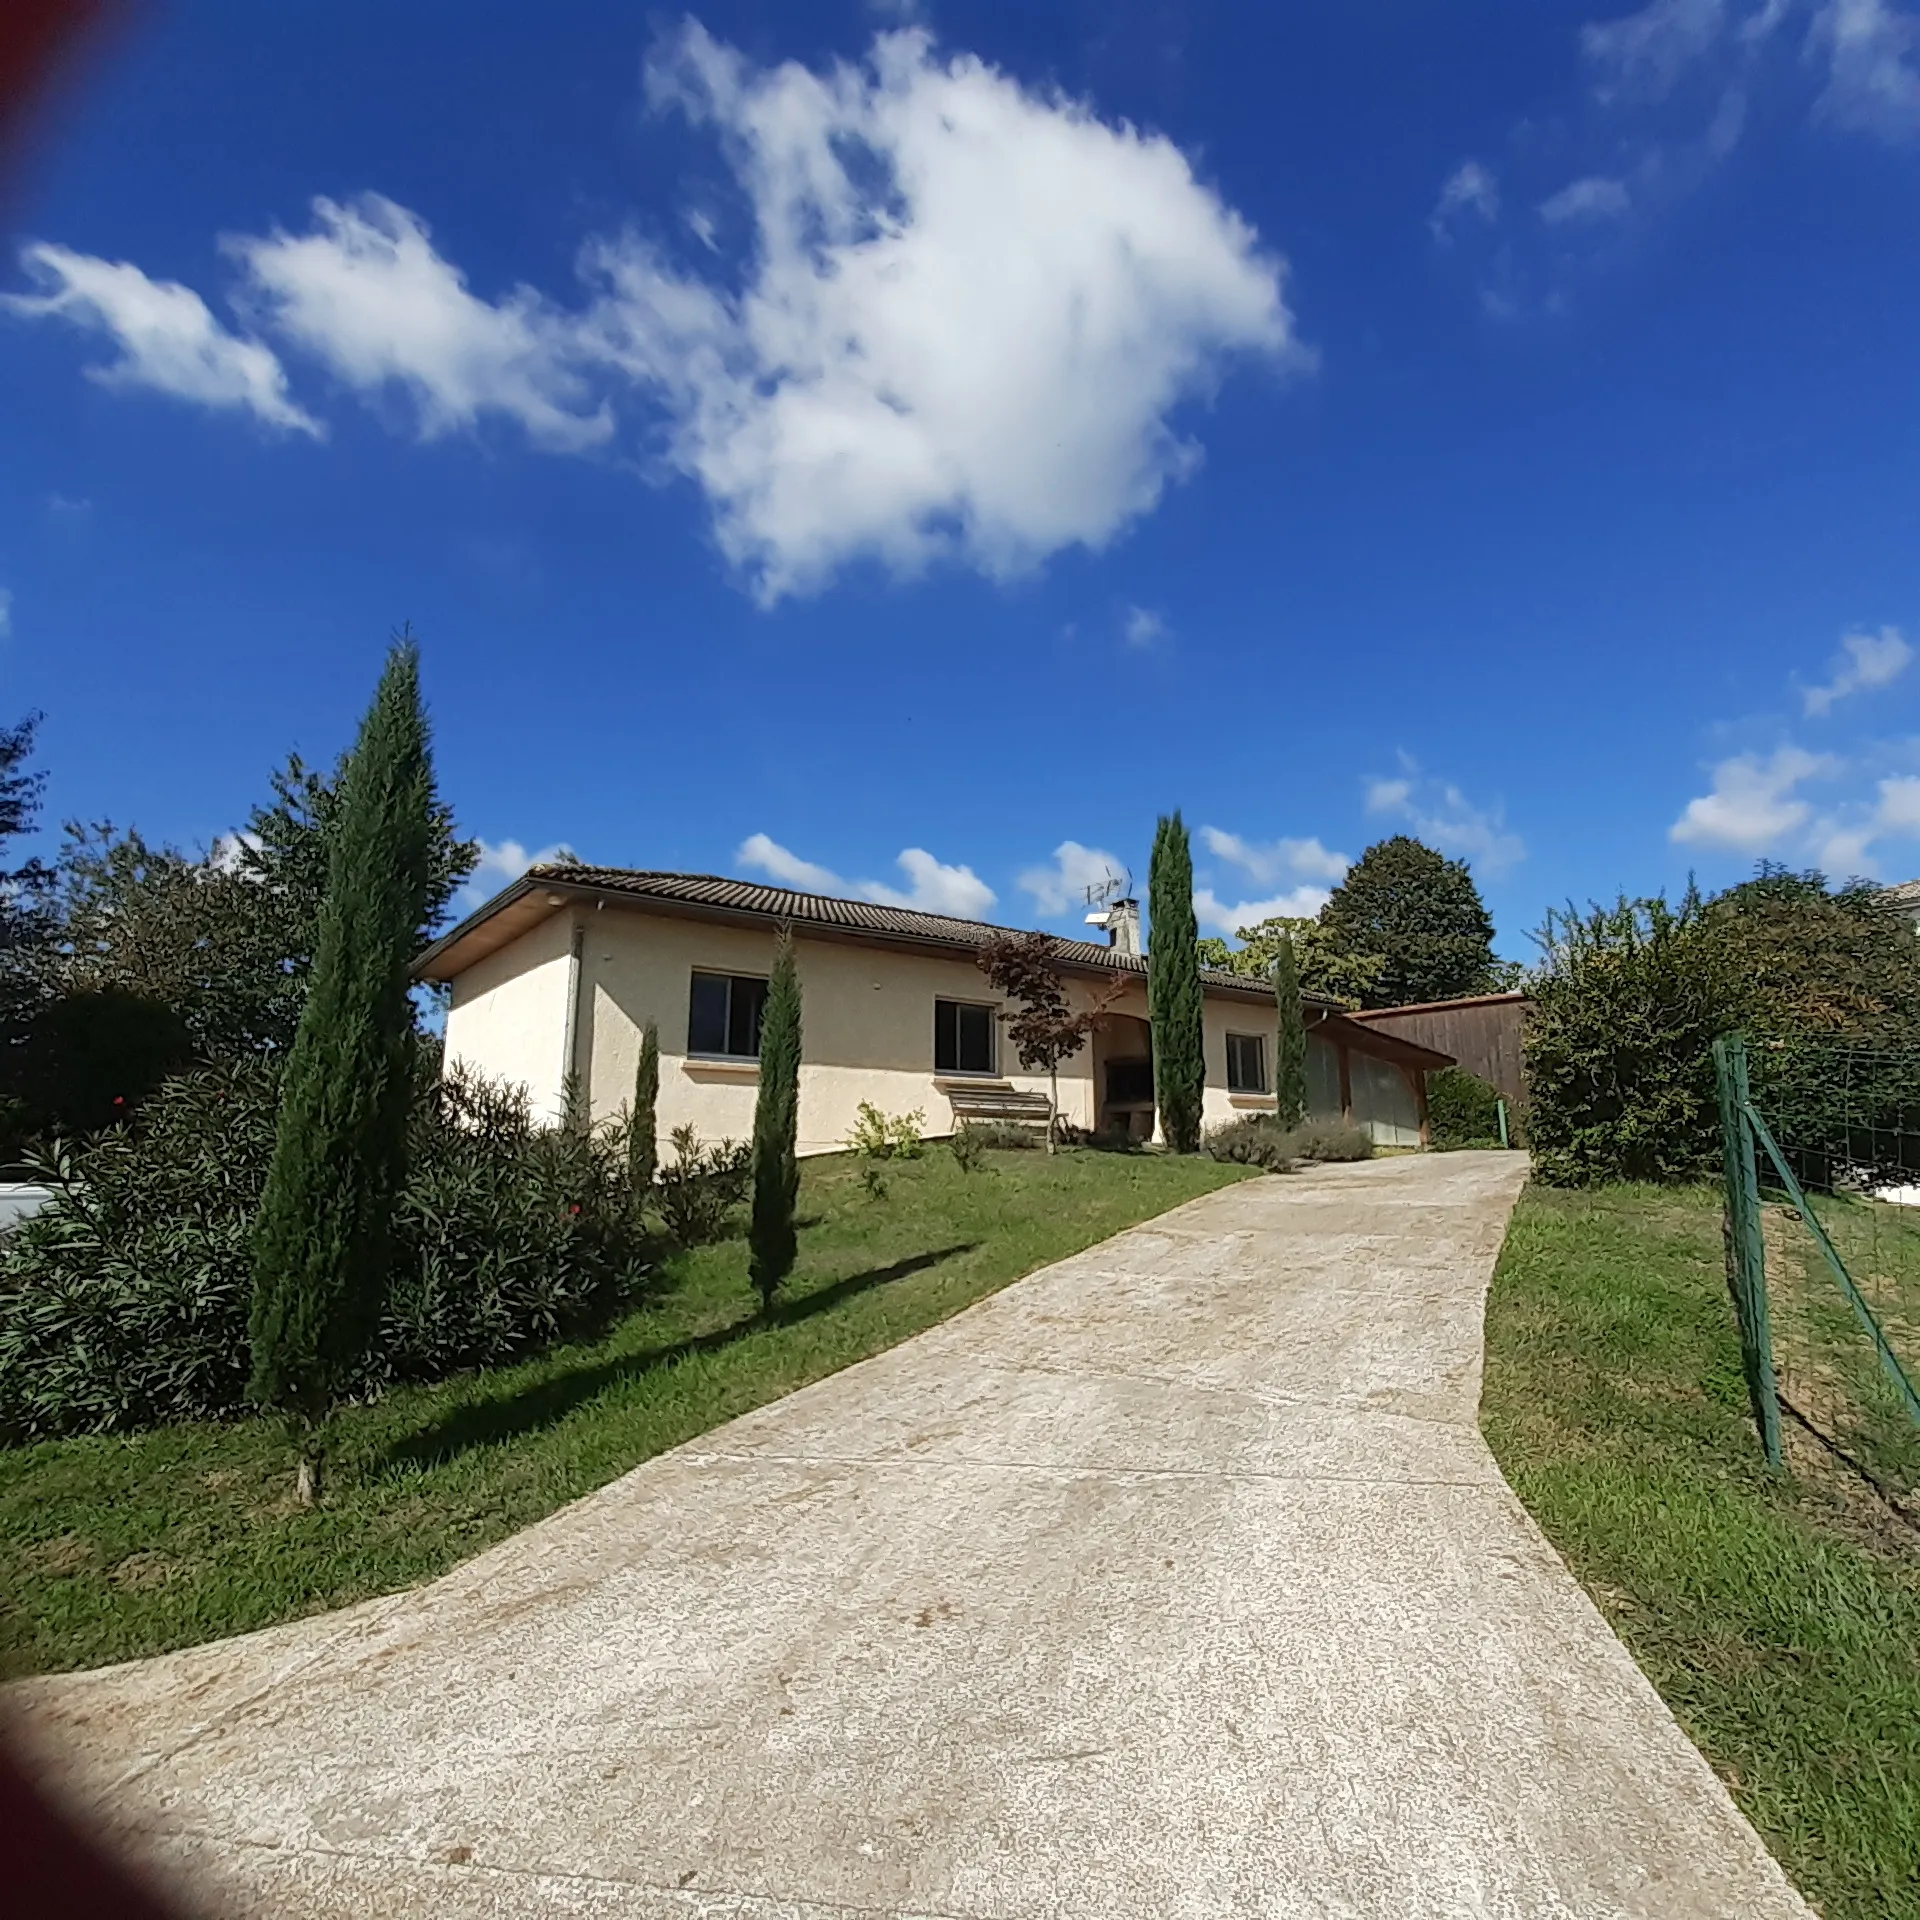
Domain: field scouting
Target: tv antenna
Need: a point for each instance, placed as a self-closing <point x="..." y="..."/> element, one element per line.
<point x="1104" y="892"/>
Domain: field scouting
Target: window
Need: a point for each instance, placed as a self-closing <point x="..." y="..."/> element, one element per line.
<point x="962" y="1037"/>
<point x="1246" y="1063"/>
<point x="725" y="1014"/>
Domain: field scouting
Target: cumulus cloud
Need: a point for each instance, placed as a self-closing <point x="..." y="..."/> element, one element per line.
<point x="1273" y="860"/>
<point x="1873" y="84"/>
<point x="1752" y="804"/>
<point x="1866" y="661"/>
<point x="1061" y="885"/>
<point x="1596" y="197"/>
<point x="1228" y="917"/>
<point x="969" y="316"/>
<point x="932" y="886"/>
<point x="501" y="863"/>
<point x="366" y="295"/>
<point x="1440" y="814"/>
<point x="972" y="311"/>
<point x="1469" y="195"/>
<point x="229" y="852"/>
<point x="166" y="337"/>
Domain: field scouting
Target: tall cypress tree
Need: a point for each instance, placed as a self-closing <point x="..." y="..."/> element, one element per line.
<point x="771" y="1239"/>
<point x="1290" y="1054"/>
<point x="321" y="1243"/>
<point x="643" y="1141"/>
<point x="1174" y="1007"/>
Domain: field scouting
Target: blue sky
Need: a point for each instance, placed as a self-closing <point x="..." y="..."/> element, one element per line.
<point x="908" y="448"/>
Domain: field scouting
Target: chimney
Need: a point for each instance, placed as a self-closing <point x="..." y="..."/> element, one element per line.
<point x="1123" y="926"/>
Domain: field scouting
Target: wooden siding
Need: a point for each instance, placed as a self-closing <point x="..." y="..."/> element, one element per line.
<point x="1483" y="1035"/>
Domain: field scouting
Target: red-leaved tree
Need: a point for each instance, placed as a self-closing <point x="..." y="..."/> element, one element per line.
<point x="1046" y="1030"/>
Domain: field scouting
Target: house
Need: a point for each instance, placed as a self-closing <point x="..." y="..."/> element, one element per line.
<point x="555" y="978"/>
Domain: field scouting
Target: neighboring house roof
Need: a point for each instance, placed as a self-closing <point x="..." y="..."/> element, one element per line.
<point x="705" y="895"/>
<point x="1906" y="894"/>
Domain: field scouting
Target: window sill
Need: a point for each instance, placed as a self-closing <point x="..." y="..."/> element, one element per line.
<point x="713" y="1066"/>
<point x="974" y="1080"/>
<point x="1256" y="1100"/>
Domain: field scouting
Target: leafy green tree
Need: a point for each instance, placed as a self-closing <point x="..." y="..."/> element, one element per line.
<point x="772" y="1238"/>
<point x="1325" y="971"/>
<point x="322" y="1241"/>
<point x="1290" y="1052"/>
<point x="1421" y="914"/>
<point x="643" y="1137"/>
<point x="1174" y="1004"/>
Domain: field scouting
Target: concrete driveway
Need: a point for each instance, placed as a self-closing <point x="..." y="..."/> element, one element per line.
<point x="1174" y="1582"/>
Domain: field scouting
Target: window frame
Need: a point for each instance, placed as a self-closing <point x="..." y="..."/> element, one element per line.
<point x="991" y="1071"/>
<point x="1258" y="1041"/>
<point x="761" y="980"/>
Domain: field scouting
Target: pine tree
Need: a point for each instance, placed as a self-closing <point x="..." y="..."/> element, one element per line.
<point x="643" y="1139"/>
<point x="771" y="1238"/>
<point x="1290" y="1054"/>
<point x="1174" y="1007"/>
<point x="322" y="1237"/>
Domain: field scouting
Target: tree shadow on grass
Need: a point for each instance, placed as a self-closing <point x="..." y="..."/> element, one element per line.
<point x="548" y="1401"/>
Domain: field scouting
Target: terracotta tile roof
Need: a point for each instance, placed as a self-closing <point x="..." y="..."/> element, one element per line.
<point x="1905" y="894"/>
<point x="716" y="894"/>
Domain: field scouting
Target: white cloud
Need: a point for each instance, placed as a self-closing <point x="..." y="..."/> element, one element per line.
<point x="366" y="294"/>
<point x="501" y="863"/>
<point x="1597" y="197"/>
<point x="1873" y="84"/>
<point x="1866" y="661"/>
<point x="228" y="854"/>
<point x="1307" y="859"/>
<point x="932" y="886"/>
<point x="764" y="854"/>
<point x="1220" y="916"/>
<point x="1061" y="885"/>
<point x="971" y="313"/>
<point x="1143" y="627"/>
<point x="167" y="337"/>
<point x="1470" y="192"/>
<point x="6" y="613"/>
<point x="1752" y="805"/>
<point x="1441" y="815"/>
<point x="1644" y="55"/>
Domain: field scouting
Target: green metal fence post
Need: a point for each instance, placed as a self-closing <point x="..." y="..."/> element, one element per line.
<point x="1746" y="1247"/>
<point x="1500" y="1109"/>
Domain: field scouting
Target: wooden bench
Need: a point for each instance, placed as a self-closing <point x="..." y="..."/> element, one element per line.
<point x="997" y="1102"/>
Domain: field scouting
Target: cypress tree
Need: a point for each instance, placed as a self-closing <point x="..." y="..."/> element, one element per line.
<point x="1174" y="1008"/>
<point x="643" y="1140"/>
<point x="1290" y="1054"/>
<point x="771" y="1239"/>
<point x="321" y="1241"/>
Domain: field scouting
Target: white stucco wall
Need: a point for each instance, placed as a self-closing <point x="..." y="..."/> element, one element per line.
<point x="508" y="1014"/>
<point x="867" y="1026"/>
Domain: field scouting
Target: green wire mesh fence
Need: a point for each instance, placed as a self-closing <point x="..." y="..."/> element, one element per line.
<point x="1822" y="1150"/>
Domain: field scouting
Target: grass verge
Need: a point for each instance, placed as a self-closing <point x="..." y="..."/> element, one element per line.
<point x="122" y="1546"/>
<point x="1779" y="1615"/>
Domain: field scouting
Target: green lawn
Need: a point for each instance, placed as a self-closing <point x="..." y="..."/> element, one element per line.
<point x="117" y="1547"/>
<point x="1778" y="1615"/>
